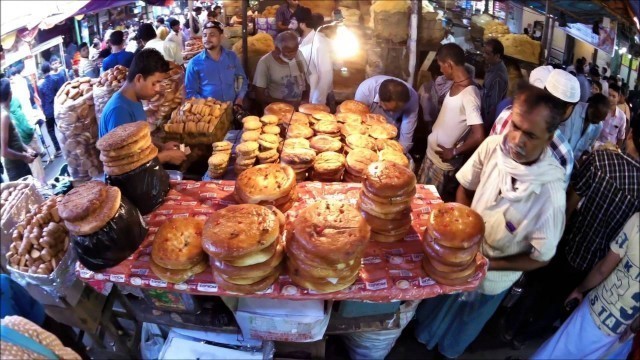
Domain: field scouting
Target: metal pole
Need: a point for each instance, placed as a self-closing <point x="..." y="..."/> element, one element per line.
<point x="75" y="24"/>
<point x="190" y="2"/>
<point x="413" y="39"/>
<point x="545" y="34"/>
<point x="550" y="40"/>
<point x="245" y="43"/>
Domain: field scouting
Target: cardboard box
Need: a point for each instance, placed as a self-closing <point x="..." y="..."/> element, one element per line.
<point x="283" y="320"/>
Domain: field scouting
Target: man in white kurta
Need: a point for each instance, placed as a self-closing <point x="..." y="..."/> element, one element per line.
<point x="316" y="49"/>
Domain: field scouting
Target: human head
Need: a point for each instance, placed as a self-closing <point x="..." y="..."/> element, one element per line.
<point x="614" y="95"/>
<point x="305" y="19"/>
<point x="212" y="35"/>
<point x="146" y="32"/>
<point x="160" y="21"/>
<point x="580" y="65"/>
<point x="197" y="10"/>
<point x="594" y="73"/>
<point x="287" y="45"/>
<point x="146" y="73"/>
<point x="598" y="108"/>
<point x="5" y="91"/>
<point x="96" y="43"/>
<point x="84" y="50"/>
<point x="174" y="24"/>
<point x="116" y="38"/>
<point x="450" y="56"/>
<point x="604" y="71"/>
<point x="45" y="68"/>
<point x="55" y="63"/>
<point x="493" y="51"/>
<point x="211" y="16"/>
<point x="596" y="87"/>
<point x="217" y="10"/>
<point x="393" y="95"/>
<point x="535" y="118"/>
<point x="564" y="87"/>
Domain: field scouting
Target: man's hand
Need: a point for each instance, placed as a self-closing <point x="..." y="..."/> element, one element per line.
<point x="171" y="145"/>
<point x="175" y="157"/>
<point x="239" y="101"/>
<point x="444" y="153"/>
<point x="575" y="294"/>
<point x="28" y="158"/>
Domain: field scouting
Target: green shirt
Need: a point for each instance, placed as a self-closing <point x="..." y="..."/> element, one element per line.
<point x="25" y="130"/>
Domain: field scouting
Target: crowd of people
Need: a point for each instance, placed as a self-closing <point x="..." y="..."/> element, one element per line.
<point x="552" y="167"/>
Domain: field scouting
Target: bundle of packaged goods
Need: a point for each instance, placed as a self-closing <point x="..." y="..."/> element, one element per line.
<point x="219" y="159"/>
<point x="391" y="20"/>
<point x="258" y="46"/>
<point x="131" y="164"/>
<point x="495" y="29"/>
<point x="196" y="121"/>
<point x="108" y="83"/>
<point x="105" y="227"/>
<point x="385" y="200"/>
<point x="176" y="253"/>
<point x="325" y="248"/>
<point x="40" y="241"/>
<point x="159" y="109"/>
<point x="267" y="184"/>
<point x="521" y="47"/>
<point x="451" y="242"/>
<point x="10" y="196"/>
<point x="245" y="246"/>
<point x="76" y="120"/>
<point x="192" y="48"/>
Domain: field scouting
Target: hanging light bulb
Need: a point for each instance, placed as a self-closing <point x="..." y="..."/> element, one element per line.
<point x="345" y="43"/>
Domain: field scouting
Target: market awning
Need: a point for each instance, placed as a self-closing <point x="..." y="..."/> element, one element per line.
<point x="586" y="12"/>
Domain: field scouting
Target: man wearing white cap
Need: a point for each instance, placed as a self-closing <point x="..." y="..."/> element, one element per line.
<point x="564" y="87"/>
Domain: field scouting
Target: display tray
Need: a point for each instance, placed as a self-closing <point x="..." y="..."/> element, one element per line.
<point x="390" y="271"/>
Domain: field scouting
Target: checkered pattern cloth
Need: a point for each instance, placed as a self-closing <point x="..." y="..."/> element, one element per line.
<point x="444" y="180"/>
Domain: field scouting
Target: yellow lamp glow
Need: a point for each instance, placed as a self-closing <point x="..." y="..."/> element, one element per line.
<point x="345" y="43"/>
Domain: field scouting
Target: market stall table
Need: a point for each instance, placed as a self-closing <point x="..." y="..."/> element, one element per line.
<point x="390" y="271"/>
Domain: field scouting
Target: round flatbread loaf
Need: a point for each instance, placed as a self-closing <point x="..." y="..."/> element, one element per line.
<point x="298" y="156"/>
<point x="296" y="143"/>
<point x="383" y="131"/>
<point x="299" y="131"/>
<point x="329" y="162"/>
<point x="222" y="146"/>
<point x="354" y="107"/>
<point x="455" y="225"/>
<point x="327" y="127"/>
<point x="360" y="141"/>
<point x="322" y="143"/>
<point x="311" y="109"/>
<point x="267" y="182"/>
<point x="123" y="169"/>
<point x="129" y="149"/>
<point x="269" y="120"/>
<point x="382" y="144"/>
<point x="389" y="179"/>
<point x="271" y="129"/>
<point x="251" y="125"/>
<point x="84" y="200"/>
<point x="143" y="154"/>
<point x="248" y="149"/>
<point x="249" y="136"/>
<point x="123" y="135"/>
<point x="359" y="159"/>
<point x="178" y="244"/>
<point x="177" y="276"/>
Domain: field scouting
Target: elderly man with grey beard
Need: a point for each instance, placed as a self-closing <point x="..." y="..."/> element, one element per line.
<point x="281" y="75"/>
<point x="516" y="185"/>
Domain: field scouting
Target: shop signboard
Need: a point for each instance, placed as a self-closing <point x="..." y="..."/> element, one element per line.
<point x="603" y="41"/>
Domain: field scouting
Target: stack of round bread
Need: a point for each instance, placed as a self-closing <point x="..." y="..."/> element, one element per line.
<point x="176" y="253"/>
<point x="385" y="200"/>
<point x="311" y="109"/>
<point x="353" y="127"/>
<point x="451" y="241"/>
<point x="383" y="131"/>
<point x="328" y="127"/>
<point x="373" y="119"/>
<point x="346" y="118"/>
<point x="126" y="148"/>
<point x="320" y="116"/>
<point x="282" y="110"/>
<point x="245" y="246"/>
<point x="354" y="107"/>
<point x="394" y="156"/>
<point x="359" y="141"/>
<point x="325" y="250"/>
<point x="270" y="140"/>
<point x="219" y="159"/>
<point x="328" y="167"/>
<point x="297" y="153"/>
<point x="322" y="143"/>
<point x="297" y="118"/>
<point x="299" y="131"/>
<point x="246" y="155"/>
<point x="87" y="208"/>
<point x="357" y="162"/>
<point x="267" y="184"/>
<point x="382" y="144"/>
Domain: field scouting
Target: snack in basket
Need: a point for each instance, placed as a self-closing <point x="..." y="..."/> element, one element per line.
<point x="311" y="109"/>
<point x="322" y="143"/>
<point x="393" y="155"/>
<point x="383" y="131"/>
<point x="300" y="159"/>
<point x="105" y="227"/>
<point x="267" y="184"/>
<point x="451" y="241"/>
<point x="196" y="117"/>
<point x="126" y="148"/>
<point x="282" y="110"/>
<point x="39" y="241"/>
<point x="299" y="131"/>
<point x="328" y="167"/>
<point x="327" y="127"/>
<point x="359" y="141"/>
<point x="176" y="252"/>
<point x="245" y="246"/>
<point x="324" y="251"/>
<point x="385" y="200"/>
<point x="358" y="161"/>
<point x="354" y="107"/>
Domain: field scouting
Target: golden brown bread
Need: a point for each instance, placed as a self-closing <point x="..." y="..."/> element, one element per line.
<point x="296" y="143"/>
<point x="322" y="285"/>
<point x="383" y="131"/>
<point x="251" y="125"/>
<point x="328" y="162"/>
<point x="128" y="149"/>
<point x="448" y="278"/>
<point x="294" y="249"/>
<point x="322" y="143"/>
<point x="271" y="129"/>
<point x="349" y="118"/>
<point x="249" y="136"/>
<point x="354" y="107"/>
<point x="329" y="127"/>
<point x="132" y="158"/>
<point x="123" y="135"/>
<point x="455" y="225"/>
<point x="283" y="111"/>
<point x="381" y="225"/>
<point x="177" y="276"/>
<point x="297" y="119"/>
<point x="449" y="256"/>
<point x="382" y="144"/>
<point x="355" y="141"/>
<point x="239" y="230"/>
<point x="389" y="216"/>
<point x="352" y="128"/>
<point x="269" y="120"/>
<point x="178" y="244"/>
<point x="371" y="206"/>
<point x="123" y="169"/>
<point x="250" y="288"/>
<point x="312" y="270"/>
<point x="261" y="269"/>
<point x="359" y="159"/>
<point x="299" y="131"/>
<point x="311" y="109"/>
<point x="95" y="214"/>
<point x="394" y="156"/>
<point x="267" y="182"/>
<point x="388" y="179"/>
<point x="403" y="196"/>
<point x="82" y="200"/>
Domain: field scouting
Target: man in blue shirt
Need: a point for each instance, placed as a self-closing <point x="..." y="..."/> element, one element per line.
<point x="213" y="72"/>
<point x="118" y="55"/>
<point x="148" y="70"/>
<point x="48" y="88"/>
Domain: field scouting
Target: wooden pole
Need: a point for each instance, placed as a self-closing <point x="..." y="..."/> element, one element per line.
<point x="245" y="44"/>
<point x="413" y="39"/>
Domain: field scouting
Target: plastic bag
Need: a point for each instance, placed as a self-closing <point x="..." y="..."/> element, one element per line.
<point x="114" y="242"/>
<point x="151" y="341"/>
<point x="171" y="95"/>
<point x="78" y="127"/>
<point x="146" y="186"/>
<point x="101" y="95"/>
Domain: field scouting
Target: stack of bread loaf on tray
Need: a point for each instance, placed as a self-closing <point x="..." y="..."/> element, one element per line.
<point x="385" y="200"/>
<point x="245" y="246"/>
<point x="219" y="159"/>
<point x="267" y="184"/>
<point x="451" y="242"/>
<point x="176" y="253"/>
<point x="325" y="249"/>
<point x="126" y="148"/>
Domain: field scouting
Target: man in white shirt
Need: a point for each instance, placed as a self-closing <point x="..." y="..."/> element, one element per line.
<point x="458" y="130"/>
<point x="316" y="49"/>
<point x="149" y="39"/>
<point x="517" y="187"/>
<point x="394" y="99"/>
<point x="614" y="125"/>
<point x="173" y="44"/>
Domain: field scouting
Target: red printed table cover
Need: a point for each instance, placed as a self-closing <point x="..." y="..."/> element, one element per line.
<point x="390" y="271"/>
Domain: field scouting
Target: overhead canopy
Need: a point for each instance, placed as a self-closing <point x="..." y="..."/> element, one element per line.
<point x="586" y="12"/>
